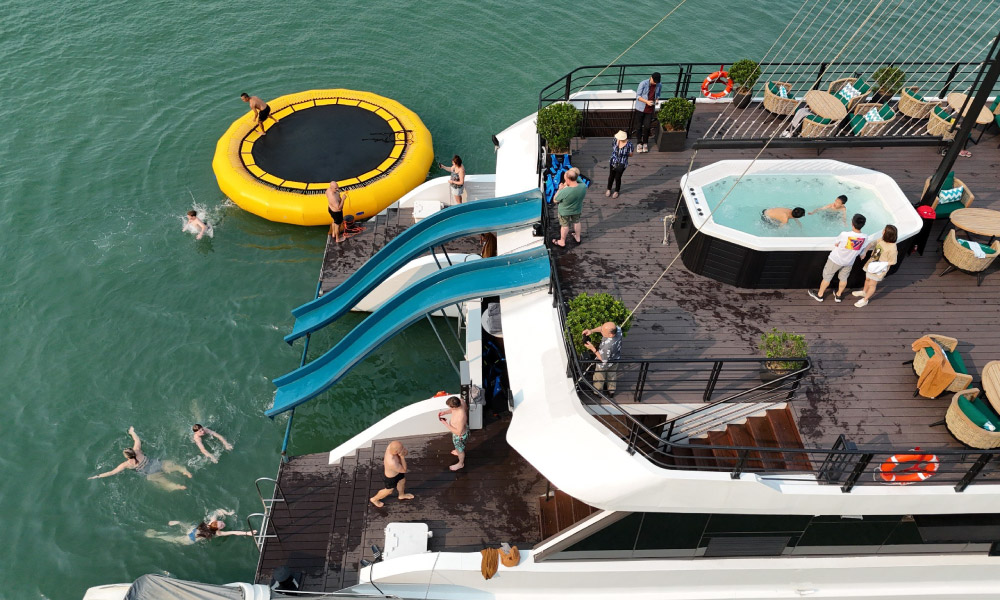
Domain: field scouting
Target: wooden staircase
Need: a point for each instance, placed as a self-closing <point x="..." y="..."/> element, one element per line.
<point x="775" y="429"/>
<point x="558" y="510"/>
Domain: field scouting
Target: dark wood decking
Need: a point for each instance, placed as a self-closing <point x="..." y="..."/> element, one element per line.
<point x="327" y="525"/>
<point x="859" y="386"/>
<point x="343" y="259"/>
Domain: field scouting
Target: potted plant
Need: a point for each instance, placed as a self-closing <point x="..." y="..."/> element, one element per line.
<point x="558" y="124"/>
<point x="888" y="81"/>
<point x="590" y="312"/>
<point x="674" y="117"/>
<point x="781" y="344"/>
<point x="744" y="74"/>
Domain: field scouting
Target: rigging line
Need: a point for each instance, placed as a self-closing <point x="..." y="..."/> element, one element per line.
<point x="794" y="19"/>
<point x="796" y="70"/>
<point x="632" y="46"/>
<point x="712" y="212"/>
<point x="781" y="71"/>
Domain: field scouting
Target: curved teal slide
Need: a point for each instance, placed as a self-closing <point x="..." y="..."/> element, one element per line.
<point x="507" y="274"/>
<point x="457" y="221"/>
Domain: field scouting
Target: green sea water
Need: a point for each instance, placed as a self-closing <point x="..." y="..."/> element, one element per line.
<point x="110" y="316"/>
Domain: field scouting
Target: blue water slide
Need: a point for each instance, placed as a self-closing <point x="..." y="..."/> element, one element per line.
<point x="507" y="274"/>
<point x="497" y="214"/>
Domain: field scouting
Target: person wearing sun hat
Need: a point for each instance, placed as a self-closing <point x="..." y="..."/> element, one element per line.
<point x="621" y="149"/>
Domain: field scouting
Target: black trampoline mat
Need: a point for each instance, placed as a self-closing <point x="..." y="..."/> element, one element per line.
<point x="324" y="143"/>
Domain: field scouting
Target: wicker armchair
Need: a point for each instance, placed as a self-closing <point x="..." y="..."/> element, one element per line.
<point x="774" y="103"/>
<point x="816" y="126"/>
<point x="967" y="419"/>
<point x="947" y="208"/>
<point x="859" y="84"/>
<point x="962" y="378"/>
<point x="961" y="258"/>
<point x="939" y="123"/>
<point x="862" y="127"/>
<point x="913" y="105"/>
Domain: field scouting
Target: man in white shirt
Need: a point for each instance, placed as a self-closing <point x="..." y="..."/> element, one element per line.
<point x="849" y="244"/>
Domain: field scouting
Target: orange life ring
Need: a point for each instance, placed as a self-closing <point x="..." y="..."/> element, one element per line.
<point x="439" y="394"/>
<point x="719" y="76"/>
<point x="924" y="466"/>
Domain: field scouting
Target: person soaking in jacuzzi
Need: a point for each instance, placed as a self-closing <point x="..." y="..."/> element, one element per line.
<point x="781" y="216"/>
<point x="837" y="205"/>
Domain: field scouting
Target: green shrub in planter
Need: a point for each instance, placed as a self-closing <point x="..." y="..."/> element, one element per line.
<point x="590" y="312"/>
<point x="781" y="344"/>
<point x="675" y="114"/>
<point x="744" y="73"/>
<point x="889" y="80"/>
<point x="557" y="124"/>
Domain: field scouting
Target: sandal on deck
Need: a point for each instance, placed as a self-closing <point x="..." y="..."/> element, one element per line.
<point x="965" y="153"/>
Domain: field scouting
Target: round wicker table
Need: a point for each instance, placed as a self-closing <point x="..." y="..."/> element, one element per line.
<point x="826" y="105"/>
<point x="957" y="99"/>
<point x="980" y="221"/>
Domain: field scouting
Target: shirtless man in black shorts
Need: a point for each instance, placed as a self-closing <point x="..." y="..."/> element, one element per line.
<point x="395" y="474"/>
<point x="261" y="110"/>
<point x="335" y="202"/>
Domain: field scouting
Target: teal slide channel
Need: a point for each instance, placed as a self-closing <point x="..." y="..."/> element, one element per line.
<point x="497" y="214"/>
<point x="501" y="275"/>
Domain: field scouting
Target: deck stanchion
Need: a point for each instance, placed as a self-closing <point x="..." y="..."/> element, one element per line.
<point x="973" y="471"/>
<point x="859" y="468"/>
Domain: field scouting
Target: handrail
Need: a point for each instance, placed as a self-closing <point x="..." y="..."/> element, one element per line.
<point x="843" y="464"/>
<point x="684" y="79"/>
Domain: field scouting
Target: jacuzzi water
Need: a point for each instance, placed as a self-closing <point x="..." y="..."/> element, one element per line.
<point x="755" y="193"/>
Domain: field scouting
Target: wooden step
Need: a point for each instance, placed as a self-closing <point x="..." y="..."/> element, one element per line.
<point x="558" y="511"/>
<point x="564" y="510"/>
<point x="682" y="456"/>
<point x="763" y="433"/>
<point x="727" y="458"/>
<point x="788" y="436"/>
<point x="547" y="517"/>
<point x="741" y="436"/>
<point x="703" y="457"/>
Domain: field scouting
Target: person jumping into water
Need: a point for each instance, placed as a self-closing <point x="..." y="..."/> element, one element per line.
<point x="154" y="469"/>
<point x="261" y="110"/>
<point x="201" y="431"/>
<point x="196" y="225"/>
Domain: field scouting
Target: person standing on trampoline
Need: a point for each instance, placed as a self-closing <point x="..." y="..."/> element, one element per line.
<point x="261" y="111"/>
<point x="457" y="182"/>
<point x="335" y="206"/>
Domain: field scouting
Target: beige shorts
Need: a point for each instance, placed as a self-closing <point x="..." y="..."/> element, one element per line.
<point x="831" y="268"/>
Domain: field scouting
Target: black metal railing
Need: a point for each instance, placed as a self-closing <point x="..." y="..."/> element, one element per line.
<point x="932" y="78"/>
<point x="673" y="441"/>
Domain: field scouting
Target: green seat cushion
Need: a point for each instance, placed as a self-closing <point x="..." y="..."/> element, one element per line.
<point x="970" y="410"/>
<point x="996" y="103"/>
<point x="943" y="210"/>
<point x="858" y="123"/>
<point x="772" y="87"/>
<point x="984" y="407"/>
<point x="886" y="113"/>
<point x="986" y="249"/>
<point x="862" y="86"/>
<point x="914" y="94"/>
<point x="819" y="119"/>
<point x="954" y="359"/>
<point x="941" y="112"/>
<point x="949" y="181"/>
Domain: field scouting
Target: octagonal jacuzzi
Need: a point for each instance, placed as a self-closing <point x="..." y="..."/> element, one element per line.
<point x="739" y="248"/>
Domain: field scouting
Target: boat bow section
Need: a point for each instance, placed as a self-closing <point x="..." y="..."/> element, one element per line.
<point x="497" y="214"/>
<point x="501" y="275"/>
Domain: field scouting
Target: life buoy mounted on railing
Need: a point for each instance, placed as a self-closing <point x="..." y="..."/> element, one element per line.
<point x="922" y="468"/>
<point x="719" y="76"/>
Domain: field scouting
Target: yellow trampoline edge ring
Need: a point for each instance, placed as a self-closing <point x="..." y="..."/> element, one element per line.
<point x="280" y="177"/>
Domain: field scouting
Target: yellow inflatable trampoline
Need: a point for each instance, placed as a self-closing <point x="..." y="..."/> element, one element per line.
<point x="373" y="147"/>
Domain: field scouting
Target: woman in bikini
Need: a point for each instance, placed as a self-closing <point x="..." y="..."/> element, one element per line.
<point x="211" y="527"/>
<point x="154" y="469"/>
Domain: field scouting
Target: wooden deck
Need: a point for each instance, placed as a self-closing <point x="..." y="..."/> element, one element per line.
<point x="859" y="386"/>
<point x="327" y="524"/>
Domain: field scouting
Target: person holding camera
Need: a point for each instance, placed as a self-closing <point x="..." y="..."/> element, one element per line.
<point x="610" y="351"/>
<point x="456" y="419"/>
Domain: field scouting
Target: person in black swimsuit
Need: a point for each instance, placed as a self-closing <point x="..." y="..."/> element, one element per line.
<point x="261" y="110"/>
<point x="394" y="463"/>
<point x="335" y="206"/>
<point x="153" y="469"/>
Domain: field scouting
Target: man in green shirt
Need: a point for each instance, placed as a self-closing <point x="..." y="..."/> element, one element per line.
<point x="570" y="201"/>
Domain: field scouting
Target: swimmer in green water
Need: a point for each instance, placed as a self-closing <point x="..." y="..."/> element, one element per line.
<point x="211" y="527"/>
<point x="154" y="469"/>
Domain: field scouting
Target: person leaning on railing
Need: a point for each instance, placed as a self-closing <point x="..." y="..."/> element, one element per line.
<point x="608" y="353"/>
